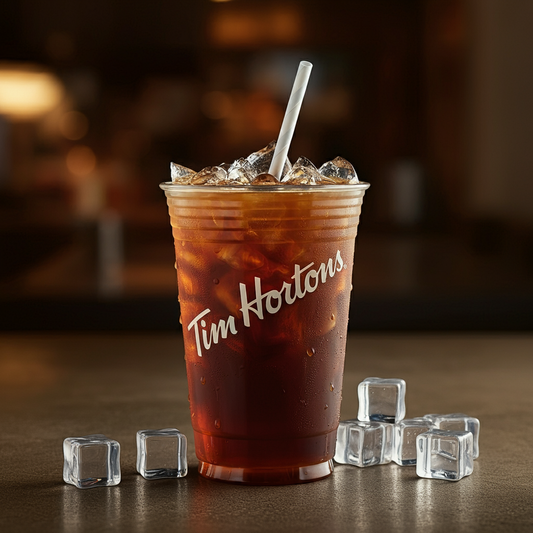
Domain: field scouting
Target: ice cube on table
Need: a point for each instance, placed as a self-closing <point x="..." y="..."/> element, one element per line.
<point x="161" y="453"/>
<point x="381" y="399"/>
<point x="338" y="171"/>
<point x="444" y="454"/>
<point x="458" y="422"/>
<point x="91" y="461"/>
<point x="260" y="160"/>
<point x="404" y="441"/>
<point x="363" y="443"/>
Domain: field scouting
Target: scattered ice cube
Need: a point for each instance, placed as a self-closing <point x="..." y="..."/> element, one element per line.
<point x="91" y="461"/>
<point x="363" y="443"/>
<point x="404" y="440"/>
<point x="381" y="399"/>
<point x="180" y="174"/>
<point x="303" y="172"/>
<point x="339" y="171"/>
<point x="261" y="160"/>
<point x="161" y="453"/>
<point x="444" y="454"/>
<point x="458" y="422"/>
<point x="241" y="172"/>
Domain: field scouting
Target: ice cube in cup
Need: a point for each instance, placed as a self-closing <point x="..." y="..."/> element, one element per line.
<point x="214" y="175"/>
<point x="260" y="160"/>
<point x="381" y="399"/>
<point x="241" y="172"/>
<point x="91" y="461"/>
<point x="180" y="175"/>
<point x="444" y="454"/>
<point x="338" y="171"/>
<point x="303" y="172"/>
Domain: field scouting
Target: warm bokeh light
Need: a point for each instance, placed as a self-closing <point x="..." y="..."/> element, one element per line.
<point x="26" y="92"/>
<point x="253" y="26"/>
<point x="81" y="160"/>
<point x="73" y="125"/>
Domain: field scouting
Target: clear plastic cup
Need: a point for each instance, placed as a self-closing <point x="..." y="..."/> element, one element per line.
<point x="264" y="281"/>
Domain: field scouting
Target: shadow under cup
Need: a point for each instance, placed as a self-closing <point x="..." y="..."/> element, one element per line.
<point x="264" y="281"/>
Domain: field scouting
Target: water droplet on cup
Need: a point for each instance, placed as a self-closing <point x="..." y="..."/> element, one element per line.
<point x="310" y="352"/>
<point x="332" y="316"/>
<point x="175" y="265"/>
<point x="180" y="320"/>
<point x="326" y="406"/>
<point x="202" y="380"/>
<point x="216" y="281"/>
<point x="331" y="387"/>
<point x="217" y="423"/>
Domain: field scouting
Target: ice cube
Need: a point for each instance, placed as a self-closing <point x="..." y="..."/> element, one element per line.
<point x="444" y="454"/>
<point x="458" y="422"/>
<point x="404" y="440"/>
<point x="363" y="443"/>
<point x="161" y="453"/>
<point x="261" y="160"/>
<point x="241" y="172"/>
<point x="265" y="179"/>
<point x="208" y="176"/>
<point x="91" y="461"/>
<point x="339" y="171"/>
<point x="180" y="174"/>
<point x="381" y="399"/>
<point x="241" y="256"/>
<point x="303" y="172"/>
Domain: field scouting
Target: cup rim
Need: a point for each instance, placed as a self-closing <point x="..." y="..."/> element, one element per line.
<point x="169" y="186"/>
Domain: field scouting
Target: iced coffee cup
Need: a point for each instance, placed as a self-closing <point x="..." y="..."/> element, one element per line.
<point x="264" y="273"/>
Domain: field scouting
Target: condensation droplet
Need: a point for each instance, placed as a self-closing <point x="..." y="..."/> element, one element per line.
<point x="331" y="387"/>
<point x="175" y="265"/>
<point x="332" y="316"/>
<point x="310" y="352"/>
<point x="181" y="322"/>
<point x="202" y="380"/>
<point x="216" y="281"/>
<point x="326" y="406"/>
<point x="217" y="423"/>
<point x="192" y="414"/>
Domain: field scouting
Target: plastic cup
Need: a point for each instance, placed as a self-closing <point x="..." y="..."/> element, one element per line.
<point x="264" y="281"/>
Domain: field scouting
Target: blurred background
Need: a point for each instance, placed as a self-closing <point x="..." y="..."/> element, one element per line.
<point x="431" y="100"/>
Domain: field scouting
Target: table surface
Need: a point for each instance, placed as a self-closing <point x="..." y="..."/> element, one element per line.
<point x="56" y="386"/>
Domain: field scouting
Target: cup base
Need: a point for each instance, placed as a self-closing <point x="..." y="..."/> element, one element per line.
<point x="266" y="476"/>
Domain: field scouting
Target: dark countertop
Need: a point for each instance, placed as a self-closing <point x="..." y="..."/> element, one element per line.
<point x="55" y="386"/>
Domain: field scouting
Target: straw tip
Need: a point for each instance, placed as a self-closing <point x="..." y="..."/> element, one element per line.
<point x="306" y="64"/>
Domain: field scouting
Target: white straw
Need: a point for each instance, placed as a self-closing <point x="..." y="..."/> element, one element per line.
<point x="290" y="118"/>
